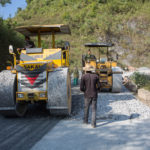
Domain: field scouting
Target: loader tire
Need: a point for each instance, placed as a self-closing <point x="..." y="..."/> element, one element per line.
<point x="59" y="92"/>
<point x="8" y="105"/>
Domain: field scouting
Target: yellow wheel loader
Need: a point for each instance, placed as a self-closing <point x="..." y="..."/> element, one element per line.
<point x="40" y="75"/>
<point x="110" y="76"/>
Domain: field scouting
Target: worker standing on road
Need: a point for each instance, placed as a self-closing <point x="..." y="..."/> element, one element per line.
<point x="90" y="85"/>
<point x="76" y="75"/>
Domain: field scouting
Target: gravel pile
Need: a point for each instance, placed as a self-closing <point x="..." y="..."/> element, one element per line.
<point x="115" y="106"/>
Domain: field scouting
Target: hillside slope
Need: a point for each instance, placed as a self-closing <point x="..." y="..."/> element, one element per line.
<point x="124" y="22"/>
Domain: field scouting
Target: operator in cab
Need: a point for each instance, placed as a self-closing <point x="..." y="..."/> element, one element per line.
<point x="29" y="43"/>
<point x="89" y="56"/>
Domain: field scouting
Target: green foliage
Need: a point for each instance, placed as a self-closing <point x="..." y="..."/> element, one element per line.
<point x="60" y="43"/>
<point x="66" y="16"/>
<point x="141" y="80"/>
<point x="93" y="7"/>
<point x="8" y="37"/>
<point x="121" y="6"/>
<point x="147" y="87"/>
<point x="28" y="1"/>
<point x="3" y="2"/>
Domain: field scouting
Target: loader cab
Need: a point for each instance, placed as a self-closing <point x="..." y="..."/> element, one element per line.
<point x="102" y="53"/>
<point x="65" y="45"/>
<point x="58" y="55"/>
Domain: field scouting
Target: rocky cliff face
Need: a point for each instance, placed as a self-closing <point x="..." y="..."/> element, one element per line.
<point x="133" y="43"/>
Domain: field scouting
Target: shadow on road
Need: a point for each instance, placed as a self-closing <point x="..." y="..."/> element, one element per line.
<point x="24" y="133"/>
<point x="114" y="118"/>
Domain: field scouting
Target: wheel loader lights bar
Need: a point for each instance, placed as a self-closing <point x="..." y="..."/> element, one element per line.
<point x="104" y="81"/>
<point x="20" y="95"/>
<point x="31" y="95"/>
<point x="42" y="95"/>
<point x="36" y="96"/>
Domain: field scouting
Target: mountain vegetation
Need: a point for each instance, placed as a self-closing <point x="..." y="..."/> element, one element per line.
<point x="126" y="23"/>
<point x="141" y="80"/>
<point x="8" y="37"/>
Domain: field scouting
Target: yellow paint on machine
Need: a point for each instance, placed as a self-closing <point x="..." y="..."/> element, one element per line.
<point x="63" y="61"/>
<point x="43" y="57"/>
<point x="36" y="64"/>
<point x="104" y="77"/>
<point x="36" y="96"/>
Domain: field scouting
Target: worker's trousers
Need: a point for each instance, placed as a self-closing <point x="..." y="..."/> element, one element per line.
<point x="87" y="103"/>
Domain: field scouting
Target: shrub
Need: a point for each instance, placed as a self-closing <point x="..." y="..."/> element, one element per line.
<point x="117" y="6"/>
<point x="8" y="37"/>
<point x="141" y="80"/>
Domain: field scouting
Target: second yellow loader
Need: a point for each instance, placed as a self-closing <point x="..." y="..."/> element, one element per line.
<point x="110" y="75"/>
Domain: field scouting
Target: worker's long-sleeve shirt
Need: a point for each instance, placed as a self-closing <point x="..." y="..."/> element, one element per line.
<point x="90" y="85"/>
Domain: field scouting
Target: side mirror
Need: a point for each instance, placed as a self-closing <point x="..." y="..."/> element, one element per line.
<point x="11" y="51"/>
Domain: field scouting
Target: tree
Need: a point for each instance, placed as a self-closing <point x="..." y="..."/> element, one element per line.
<point x="19" y="9"/>
<point x="28" y="1"/>
<point x="3" y="2"/>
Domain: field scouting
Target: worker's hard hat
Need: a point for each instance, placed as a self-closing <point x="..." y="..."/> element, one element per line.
<point x="89" y="67"/>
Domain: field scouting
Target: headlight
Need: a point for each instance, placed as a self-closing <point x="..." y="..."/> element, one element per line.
<point x="42" y="95"/>
<point x="20" y="95"/>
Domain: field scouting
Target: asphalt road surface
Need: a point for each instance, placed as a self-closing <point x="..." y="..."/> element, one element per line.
<point x="23" y="133"/>
<point x="119" y="115"/>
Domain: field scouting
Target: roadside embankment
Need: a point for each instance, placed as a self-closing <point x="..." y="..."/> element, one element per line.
<point x="138" y="81"/>
<point x="144" y="96"/>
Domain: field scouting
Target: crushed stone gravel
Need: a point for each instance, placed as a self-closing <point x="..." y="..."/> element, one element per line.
<point x="115" y="106"/>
